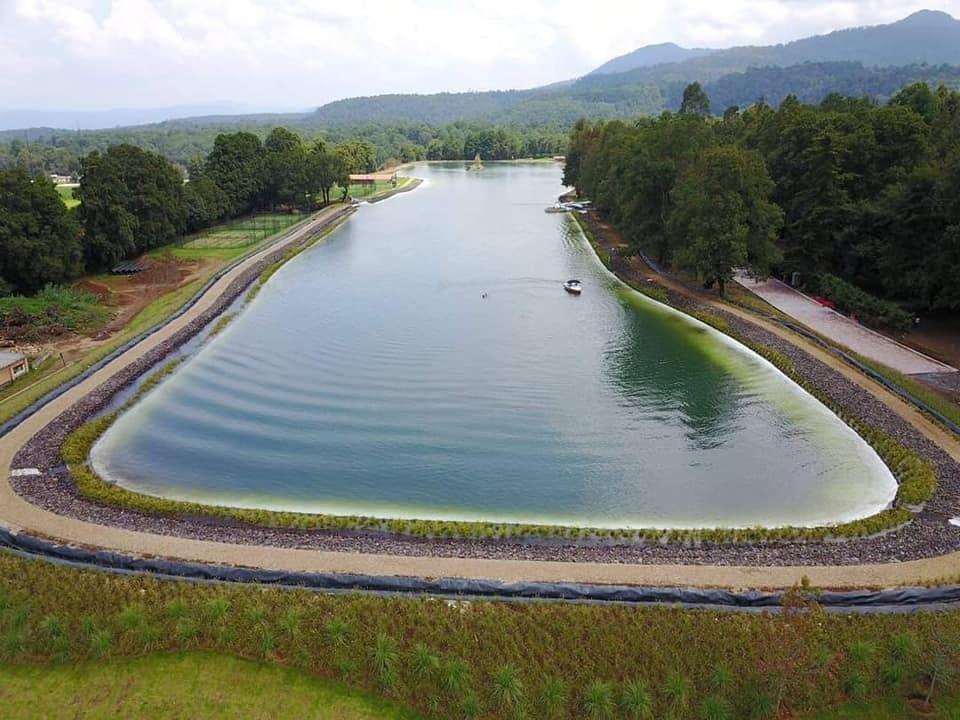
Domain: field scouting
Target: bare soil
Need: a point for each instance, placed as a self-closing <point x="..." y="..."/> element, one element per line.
<point x="128" y="295"/>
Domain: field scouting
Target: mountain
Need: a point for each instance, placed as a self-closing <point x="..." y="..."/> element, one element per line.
<point x="119" y="117"/>
<point x="650" y="83"/>
<point x="854" y="61"/>
<point x="650" y="55"/>
<point x="927" y="36"/>
<point x="812" y="82"/>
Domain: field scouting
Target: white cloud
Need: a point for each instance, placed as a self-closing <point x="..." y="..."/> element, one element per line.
<point x="300" y="53"/>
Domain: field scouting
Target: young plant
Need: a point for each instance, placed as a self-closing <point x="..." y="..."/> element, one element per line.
<point x="598" y="700"/>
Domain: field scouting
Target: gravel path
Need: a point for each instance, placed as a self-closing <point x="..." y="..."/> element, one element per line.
<point x="843" y="330"/>
<point x="48" y="505"/>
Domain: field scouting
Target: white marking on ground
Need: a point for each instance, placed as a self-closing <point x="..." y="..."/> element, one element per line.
<point x="25" y="472"/>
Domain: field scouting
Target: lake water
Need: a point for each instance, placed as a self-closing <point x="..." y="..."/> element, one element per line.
<point x="426" y="362"/>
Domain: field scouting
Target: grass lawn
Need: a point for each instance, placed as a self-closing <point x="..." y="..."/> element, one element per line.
<point x="889" y="709"/>
<point x="240" y="233"/>
<point x="66" y="194"/>
<point x="60" y="307"/>
<point x="36" y="385"/>
<point x="182" y="685"/>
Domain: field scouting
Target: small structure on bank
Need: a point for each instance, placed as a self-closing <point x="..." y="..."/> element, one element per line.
<point x="13" y="365"/>
<point x="477" y="163"/>
<point x="129" y="267"/>
<point x="374" y="178"/>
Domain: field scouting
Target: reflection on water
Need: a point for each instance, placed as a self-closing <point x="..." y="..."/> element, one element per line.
<point x="426" y="362"/>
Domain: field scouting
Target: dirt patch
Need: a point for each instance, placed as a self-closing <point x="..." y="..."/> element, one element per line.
<point x="127" y="295"/>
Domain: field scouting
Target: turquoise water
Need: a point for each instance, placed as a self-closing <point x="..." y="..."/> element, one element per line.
<point x="425" y="362"/>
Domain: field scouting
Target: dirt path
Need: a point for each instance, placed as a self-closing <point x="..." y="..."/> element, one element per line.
<point x="19" y="515"/>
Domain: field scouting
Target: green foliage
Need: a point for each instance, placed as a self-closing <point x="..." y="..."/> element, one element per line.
<point x="636" y="701"/>
<point x="507" y="689"/>
<point x="598" y="700"/>
<point x="52" y="311"/>
<point x="39" y="241"/>
<point x="866" y="194"/>
<point x="850" y="299"/>
<point x="183" y="685"/>
<point x="554" y="697"/>
<point x="131" y="201"/>
<point x="695" y="101"/>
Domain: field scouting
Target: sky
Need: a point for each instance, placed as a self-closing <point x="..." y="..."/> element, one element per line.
<point x="298" y="54"/>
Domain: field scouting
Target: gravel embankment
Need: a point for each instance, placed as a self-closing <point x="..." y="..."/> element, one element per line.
<point x="928" y="535"/>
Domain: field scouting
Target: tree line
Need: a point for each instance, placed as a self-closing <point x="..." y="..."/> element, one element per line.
<point x="846" y="189"/>
<point x="133" y="200"/>
<point x="184" y="142"/>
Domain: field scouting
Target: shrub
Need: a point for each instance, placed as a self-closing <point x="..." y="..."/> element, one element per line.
<point x="870" y="309"/>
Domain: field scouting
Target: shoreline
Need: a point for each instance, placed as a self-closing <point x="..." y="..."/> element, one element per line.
<point x="768" y="565"/>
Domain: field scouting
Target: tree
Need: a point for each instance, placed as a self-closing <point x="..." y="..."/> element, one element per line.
<point x="361" y="156"/>
<point x="237" y="165"/>
<point x="39" y="238"/>
<point x="695" y="101"/>
<point x="723" y="218"/>
<point x="326" y="168"/>
<point x="285" y="169"/>
<point x="204" y="203"/>
<point x="919" y="98"/>
<point x="131" y="200"/>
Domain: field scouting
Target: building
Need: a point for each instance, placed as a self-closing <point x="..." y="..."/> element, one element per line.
<point x="12" y="366"/>
<point x="373" y="178"/>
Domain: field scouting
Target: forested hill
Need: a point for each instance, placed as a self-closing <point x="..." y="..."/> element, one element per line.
<point x="649" y="85"/>
<point x="813" y="82"/>
<point x="925" y="37"/>
<point x="650" y="55"/>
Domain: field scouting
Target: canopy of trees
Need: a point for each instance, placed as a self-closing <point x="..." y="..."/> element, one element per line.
<point x="185" y="143"/>
<point x="39" y="239"/>
<point x="866" y="193"/>
<point x="132" y="200"/>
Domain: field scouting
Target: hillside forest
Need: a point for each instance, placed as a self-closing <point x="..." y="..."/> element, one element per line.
<point x="842" y="189"/>
<point x="132" y="200"/>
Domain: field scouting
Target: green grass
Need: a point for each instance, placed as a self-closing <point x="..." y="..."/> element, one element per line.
<point x="182" y="685"/>
<point x="149" y="316"/>
<point x="935" y="400"/>
<point x="54" y="309"/>
<point x="232" y="239"/>
<point x="889" y="709"/>
<point x="530" y="660"/>
<point x="66" y="194"/>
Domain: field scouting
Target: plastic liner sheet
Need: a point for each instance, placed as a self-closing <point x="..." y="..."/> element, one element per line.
<point x="894" y="600"/>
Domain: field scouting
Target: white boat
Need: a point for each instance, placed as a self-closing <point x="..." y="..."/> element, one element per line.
<point x="573" y="287"/>
<point x="558" y="208"/>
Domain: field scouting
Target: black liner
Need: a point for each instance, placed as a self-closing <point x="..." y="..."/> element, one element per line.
<point x="889" y="601"/>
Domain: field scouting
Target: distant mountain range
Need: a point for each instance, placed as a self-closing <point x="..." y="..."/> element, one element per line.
<point x="119" y="117"/>
<point x="652" y="78"/>
<point x="874" y="61"/>
<point x="650" y="55"/>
